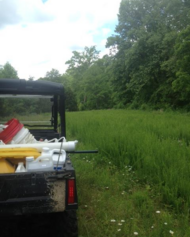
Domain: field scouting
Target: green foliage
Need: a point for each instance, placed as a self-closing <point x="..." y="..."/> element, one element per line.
<point x="145" y="63"/>
<point x="70" y="102"/>
<point x="14" y="106"/>
<point x="55" y="76"/>
<point x="140" y="175"/>
<point x="7" y="71"/>
<point x="90" y="79"/>
<point x="83" y="60"/>
<point x="96" y="86"/>
<point x="181" y="84"/>
<point x="154" y="144"/>
<point x="148" y="61"/>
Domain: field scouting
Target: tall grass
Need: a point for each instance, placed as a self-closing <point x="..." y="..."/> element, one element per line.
<point x="28" y="117"/>
<point x="139" y="179"/>
<point x="155" y="144"/>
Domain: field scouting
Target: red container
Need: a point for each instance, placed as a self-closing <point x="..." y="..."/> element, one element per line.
<point x="13" y="127"/>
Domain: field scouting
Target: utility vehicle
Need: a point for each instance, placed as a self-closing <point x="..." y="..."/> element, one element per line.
<point x="39" y="203"/>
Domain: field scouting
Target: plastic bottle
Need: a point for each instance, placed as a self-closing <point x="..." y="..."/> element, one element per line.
<point x="48" y="161"/>
<point x="58" y="159"/>
<point x="42" y="163"/>
<point x="20" y="168"/>
<point x="29" y="159"/>
<point x="45" y="152"/>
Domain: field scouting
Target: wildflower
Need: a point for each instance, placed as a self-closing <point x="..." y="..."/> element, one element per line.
<point x="85" y="206"/>
<point x="122" y="220"/>
<point x="165" y="223"/>
<point x="152" y="227"/>
<point x="158" y="212"/>
<point x="119" y="223"/>
<point x="113" y="220"/>
<point x="136" y="233"/>
<point x="119" y="230"/>
<point x="171" y="232"/>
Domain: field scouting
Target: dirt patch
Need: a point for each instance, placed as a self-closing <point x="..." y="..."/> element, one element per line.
<point x="58" y="195"/>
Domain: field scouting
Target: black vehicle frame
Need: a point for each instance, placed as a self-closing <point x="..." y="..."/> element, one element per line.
<point x="41" y="192"/>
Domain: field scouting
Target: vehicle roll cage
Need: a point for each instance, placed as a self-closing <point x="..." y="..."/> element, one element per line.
<point x="20" y="88"/>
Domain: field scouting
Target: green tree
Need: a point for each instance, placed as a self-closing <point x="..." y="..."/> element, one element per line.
<point x="7" y="106"/>
<point x="78" y="65"/>
<point x="96" y="85"/>
<point x="181" y="85"/>
<point x="144" y="65"/>
<point x="8" y="71"/>
<point x="83" y="60"/>
<point x="55" y="76"/>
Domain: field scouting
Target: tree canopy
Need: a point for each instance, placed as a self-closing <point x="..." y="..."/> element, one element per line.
<point x="8" y="71"/>
<point x="148" y="64"/>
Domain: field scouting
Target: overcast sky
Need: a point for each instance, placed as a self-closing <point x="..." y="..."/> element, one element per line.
<point x="38" y="35"/>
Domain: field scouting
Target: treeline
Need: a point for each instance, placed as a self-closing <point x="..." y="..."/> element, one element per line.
<point x="11" y="106"/>
<point x="148" y="65"/>
<point x="152" y="63"/>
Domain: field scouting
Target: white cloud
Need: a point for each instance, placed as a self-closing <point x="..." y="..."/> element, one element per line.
<point x="16" y="11"/>
<point x="44" y="35"/>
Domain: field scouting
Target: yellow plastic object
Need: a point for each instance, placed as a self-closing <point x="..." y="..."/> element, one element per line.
<point x="15" y="155"/>
<point x="6" y="167"/>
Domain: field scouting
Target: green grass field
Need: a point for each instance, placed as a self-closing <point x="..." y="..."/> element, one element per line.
<point x="139" y="181"/>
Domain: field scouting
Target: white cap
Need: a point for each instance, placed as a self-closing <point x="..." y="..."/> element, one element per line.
<point x="45" y="149"/>
<point x="29" y="158"/>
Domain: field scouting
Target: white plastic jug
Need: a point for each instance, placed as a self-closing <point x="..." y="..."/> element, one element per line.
<point x="58" y="159"/>
<point x="48" y="161"/>
<point x="20" y="168"/>
<point x="42" y="163"/>
<point x="29" y="159"/>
